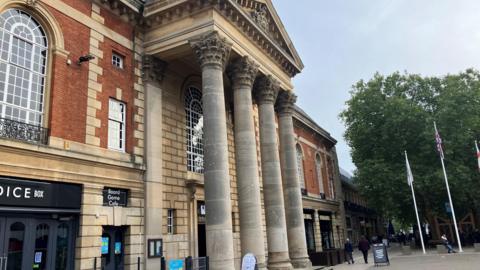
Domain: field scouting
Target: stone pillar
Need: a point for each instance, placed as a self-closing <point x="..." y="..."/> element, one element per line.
<point x="266" y="89"/>
<point x="212" y="52"/>
<point x="242" y="74"/>
<point x="153" y="69"/>
<point x="297" y="243"/>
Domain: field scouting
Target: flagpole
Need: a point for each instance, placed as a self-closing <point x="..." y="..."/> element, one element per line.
<point x="450" y="198"/>
<point x="415" y="204"/>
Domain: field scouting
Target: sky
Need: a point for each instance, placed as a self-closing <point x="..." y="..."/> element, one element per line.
<point x="343" y="41"/>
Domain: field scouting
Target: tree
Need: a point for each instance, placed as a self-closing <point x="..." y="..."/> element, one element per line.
<point x="390" y="114"/>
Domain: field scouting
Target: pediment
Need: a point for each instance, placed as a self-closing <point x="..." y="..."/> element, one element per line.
<point x="263" y="13"/>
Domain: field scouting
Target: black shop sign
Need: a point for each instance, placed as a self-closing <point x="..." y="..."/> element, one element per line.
<point x="115" y="197"/>
<point x="28" y="193"/>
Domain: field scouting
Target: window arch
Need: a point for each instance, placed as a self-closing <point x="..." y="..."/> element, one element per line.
<point x="23" y="65"/>
<point x="194" y="129"/>
<point x="301" y="174"/>
<point x="318" y="168"/>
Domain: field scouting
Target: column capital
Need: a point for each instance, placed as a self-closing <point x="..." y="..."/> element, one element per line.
<point x="211" y="49"/>
<point x="285" y="103"/>
<point x="153" y="68"/>
<point x="242" y="72"/>
<point x="266" y="90"/>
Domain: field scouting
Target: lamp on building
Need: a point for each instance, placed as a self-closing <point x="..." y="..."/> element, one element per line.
<point x="85" y="58"/>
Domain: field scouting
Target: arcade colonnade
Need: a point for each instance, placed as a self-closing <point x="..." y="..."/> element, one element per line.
<point x="285" y="230"/>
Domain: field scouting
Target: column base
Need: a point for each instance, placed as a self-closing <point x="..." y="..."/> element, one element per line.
<point x="279" y="261"/>
<point x="302" y="263"/>
<point x="261" y="266"/>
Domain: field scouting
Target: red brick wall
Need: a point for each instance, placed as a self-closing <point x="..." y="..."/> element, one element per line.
<point x="69" y="83"/>
<point x="112" y="79"/>
<point x="309" y="166"/>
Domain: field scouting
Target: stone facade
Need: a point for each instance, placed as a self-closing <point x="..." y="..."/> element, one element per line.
<point x="210" y="129"/>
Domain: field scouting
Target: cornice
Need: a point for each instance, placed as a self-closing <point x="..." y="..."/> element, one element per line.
<point x="166" y="12"/>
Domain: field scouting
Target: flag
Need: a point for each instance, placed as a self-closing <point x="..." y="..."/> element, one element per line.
<point x="438" y="140"/>
<point x="409" y="171"/>
<point x="478" y="155"/>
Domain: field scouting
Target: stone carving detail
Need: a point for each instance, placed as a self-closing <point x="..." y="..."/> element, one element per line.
<point x="260" y="17"/>
<point x="266" y="90"/>
<point x="31" y="3"/>
<point x="211" y="49"/>
<point x="153" y="68"/>
<point x="285" y="103"/>
<point x="243" y="72"/>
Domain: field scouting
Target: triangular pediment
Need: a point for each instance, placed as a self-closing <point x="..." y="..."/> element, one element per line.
<point x="263" y="13"/>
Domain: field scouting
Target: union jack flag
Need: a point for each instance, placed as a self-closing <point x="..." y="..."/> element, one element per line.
<point x="438" y="140"/>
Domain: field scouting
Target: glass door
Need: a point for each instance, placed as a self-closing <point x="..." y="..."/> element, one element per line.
<point x="13" y="250"/>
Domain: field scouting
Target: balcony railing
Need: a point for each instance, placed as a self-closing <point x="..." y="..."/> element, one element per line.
<point x="15" y="130"/>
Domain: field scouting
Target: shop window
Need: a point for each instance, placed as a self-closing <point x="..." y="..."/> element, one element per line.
<point x="15" y="246"/>
<point x="171" y="221"/>
<point x="61" y="258"/>
<point x="194" y="129"/>
<point x="116" y="125"/>
<point x="41" y="247"/>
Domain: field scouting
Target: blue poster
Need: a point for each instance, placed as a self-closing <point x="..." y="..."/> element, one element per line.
<point x="175" y="264"/>
<point x="118" y="248"/>
<point x="104" y="245"/>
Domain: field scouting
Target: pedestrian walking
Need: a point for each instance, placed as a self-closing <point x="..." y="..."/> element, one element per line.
<point x="364" y="246"/>
<point x="447" y="244"/>
<point x="349" y="251"/>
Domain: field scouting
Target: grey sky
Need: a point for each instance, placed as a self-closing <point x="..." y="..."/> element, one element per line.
<point x="341" y="42"/>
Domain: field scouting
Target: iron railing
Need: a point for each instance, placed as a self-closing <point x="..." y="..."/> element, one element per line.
<point x="196" y="263"/>
<point x="15" y="130"/>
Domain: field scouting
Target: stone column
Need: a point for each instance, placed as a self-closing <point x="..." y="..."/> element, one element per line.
<point x="297" y="243"/>
<point x="242" y="74"/>
<point x="212" y="52"/>
<point x="153" y="70"/>
<point x="266" y="89"/>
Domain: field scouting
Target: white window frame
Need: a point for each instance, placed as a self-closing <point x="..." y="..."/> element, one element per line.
<point x="117" y="119"/>
<point x="194" y="129"/>
<point x="171" y="221"/>
<point x="35" y="73"/>
<point x="117" y="60"/>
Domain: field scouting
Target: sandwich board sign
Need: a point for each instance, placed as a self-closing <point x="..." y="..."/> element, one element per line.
<point x="249" y="262"/>
<point x="380" y="254"/>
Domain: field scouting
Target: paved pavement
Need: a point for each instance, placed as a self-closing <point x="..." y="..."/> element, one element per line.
<point x="468" y="260"/>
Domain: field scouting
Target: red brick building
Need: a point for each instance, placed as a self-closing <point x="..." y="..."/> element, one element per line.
<point x="320" y="181"/>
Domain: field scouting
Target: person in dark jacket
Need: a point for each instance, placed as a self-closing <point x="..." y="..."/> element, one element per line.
<point x="364" y="246"/>
<point x="349" y="251"/>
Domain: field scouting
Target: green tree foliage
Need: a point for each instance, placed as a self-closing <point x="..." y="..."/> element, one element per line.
<point x="391" y="114"/>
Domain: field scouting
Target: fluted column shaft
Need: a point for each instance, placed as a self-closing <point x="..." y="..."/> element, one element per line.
<point x="212" y="52"/>
<point x="242" y="74"/>
<point x="297" y="244"/>
<point x="278" y="258"/>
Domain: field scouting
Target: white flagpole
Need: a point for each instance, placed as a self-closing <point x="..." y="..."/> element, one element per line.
<point x="410" y="181"/>
<point x="450" y="198"/>
<point x="478" y="153"/>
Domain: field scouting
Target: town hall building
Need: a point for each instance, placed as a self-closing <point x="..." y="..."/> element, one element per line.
<point x="132" y="131"/>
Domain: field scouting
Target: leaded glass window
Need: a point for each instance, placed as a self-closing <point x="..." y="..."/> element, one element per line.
<point x="23" y="59"/>
<point x="301" y="174"/>
<point x="194" y="129"/>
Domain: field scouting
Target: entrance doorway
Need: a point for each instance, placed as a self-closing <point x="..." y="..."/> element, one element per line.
<point x="113" y="247"/>
<point x="201" y="230"/>
<point x="36" y="243"/>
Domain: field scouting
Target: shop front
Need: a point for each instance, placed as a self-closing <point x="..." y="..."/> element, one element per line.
<point x="38" y="224"/>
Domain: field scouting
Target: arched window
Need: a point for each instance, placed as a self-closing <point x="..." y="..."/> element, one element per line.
<point x="301" y="175"/>
<point x="194" y="128"/>
<point x="23" y="60"/>
<point x="318" y="168"/>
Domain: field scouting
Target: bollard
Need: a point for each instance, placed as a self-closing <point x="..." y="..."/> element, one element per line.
<point x="138" y="263"/>
<point x="206" y="263"/>
<point x="95" y="263"/>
